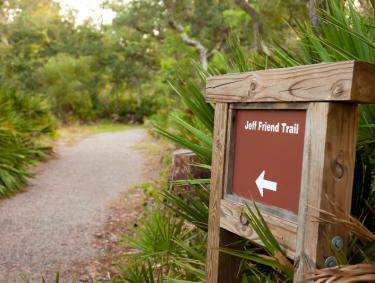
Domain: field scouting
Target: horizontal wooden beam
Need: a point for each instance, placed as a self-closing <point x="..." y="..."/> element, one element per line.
<point x="341" y="81"/>
<point x="284" y="231"/>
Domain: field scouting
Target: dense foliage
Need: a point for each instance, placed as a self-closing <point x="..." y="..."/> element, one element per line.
<point x="23" y="120"/>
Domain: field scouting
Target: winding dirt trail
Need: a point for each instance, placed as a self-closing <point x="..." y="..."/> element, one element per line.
<point x="51" y="226"/>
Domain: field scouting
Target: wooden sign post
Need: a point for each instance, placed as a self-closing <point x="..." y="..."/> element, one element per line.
<point x="284" y="138"/>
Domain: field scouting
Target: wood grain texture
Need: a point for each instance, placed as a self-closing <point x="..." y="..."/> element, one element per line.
<point x="267" y="209"/>
<point x="327" y="180"/>
<point x="217" y="171"/>
<point x="269" y="106"/>
<point x="229" y="265"/>
<point x="284" y="231"/>
<point x="229" y="152"/>
<point x="219" y="267"/>
<point x="363" y="81"/>
<point x="311" y="188"/>
<point x="341" y="81"/>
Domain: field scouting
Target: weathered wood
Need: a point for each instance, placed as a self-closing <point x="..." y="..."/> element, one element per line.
<point x="219" y="266"/>
<point x="269" y="106"/>
<point x="341" y="81"/>
<point x="183" y="169"/>
<point x="329" y="156"/>
<point x="264" y="208"/>
<point x="228" y="265"/>
<point x="284" y="231"/>
<point x="363" y="85"/>
<point x="229" y="152"/>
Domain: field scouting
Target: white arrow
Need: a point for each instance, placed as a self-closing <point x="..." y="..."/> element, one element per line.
<point x="265" y="184"/>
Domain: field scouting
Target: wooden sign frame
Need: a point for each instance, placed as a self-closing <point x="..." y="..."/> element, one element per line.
<point x="329" y="92"/>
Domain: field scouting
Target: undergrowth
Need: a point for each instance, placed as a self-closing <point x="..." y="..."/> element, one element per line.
<point x="23" y="121"/>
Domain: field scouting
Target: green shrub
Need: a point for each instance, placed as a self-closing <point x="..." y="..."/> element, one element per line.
<point x="164" y="249"/>
<point x="23" y="120"/>
<point x="191" y="127"/>
<point x="66" y="81"/>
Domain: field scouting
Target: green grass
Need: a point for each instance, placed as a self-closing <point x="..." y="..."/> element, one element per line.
<point x="73" y="133"/>
<point x="107" y="126"/>
<point x="149" y="147"/>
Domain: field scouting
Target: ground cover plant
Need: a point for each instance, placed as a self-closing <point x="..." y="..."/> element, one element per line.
<point x="23" y="120"/>
<point x="161" y="247"/>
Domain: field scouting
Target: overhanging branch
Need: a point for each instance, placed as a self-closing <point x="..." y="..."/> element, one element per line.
<point x="255" y="21"/>
<point x="191" y="42"/>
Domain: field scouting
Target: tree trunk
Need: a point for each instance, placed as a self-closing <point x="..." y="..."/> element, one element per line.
<point x="192" y="42"/>
<point x="313" y="15"/>
<point x="255" y="22"/>
<point x="139" y="93"/>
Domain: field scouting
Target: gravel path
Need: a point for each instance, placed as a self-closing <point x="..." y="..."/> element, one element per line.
<point x="51" y="226"/>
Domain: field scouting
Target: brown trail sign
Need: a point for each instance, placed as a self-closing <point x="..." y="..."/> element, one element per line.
<point x="284" y="138"/>
<point x="267" y="161"/>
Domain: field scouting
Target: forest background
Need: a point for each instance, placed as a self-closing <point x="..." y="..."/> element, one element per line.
<point x="55" y="71"/>
<point x="91" y="71"/>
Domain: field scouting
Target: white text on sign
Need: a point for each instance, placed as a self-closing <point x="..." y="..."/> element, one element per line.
<point x="279" y="127"/>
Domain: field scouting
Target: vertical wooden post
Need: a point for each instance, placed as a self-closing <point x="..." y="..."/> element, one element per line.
<point x="220" y="267"/>
<point x="327" y="180"/>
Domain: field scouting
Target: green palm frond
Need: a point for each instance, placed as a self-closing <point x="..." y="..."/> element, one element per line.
<point x="23" y="119"/>
<point x="275" y="258"/>
<point x="192" y="206"/>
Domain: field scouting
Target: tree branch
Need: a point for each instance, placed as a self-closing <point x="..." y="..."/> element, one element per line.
<point x="191" y="42"/>
<point x="139" y="29"/>
<point x="255" y="22"/>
